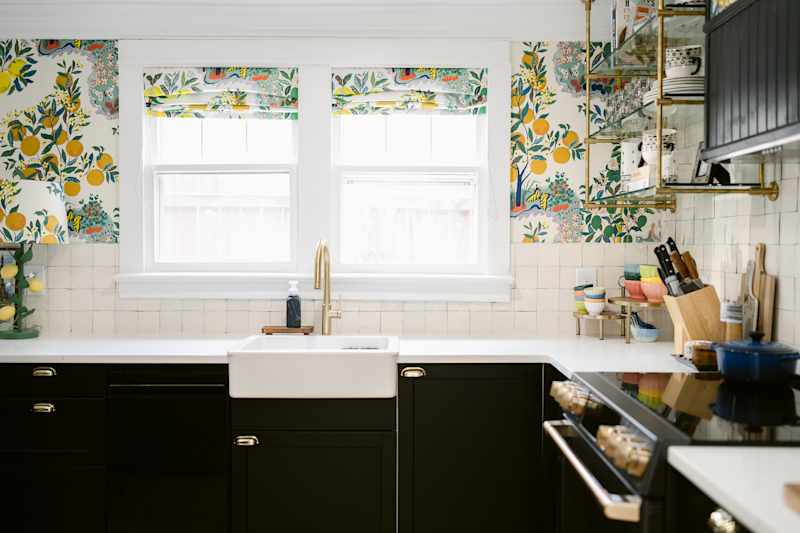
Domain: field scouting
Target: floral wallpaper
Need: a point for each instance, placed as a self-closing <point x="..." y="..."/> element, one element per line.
<point x="547" y="153"/>
<point x="59" y="104"/>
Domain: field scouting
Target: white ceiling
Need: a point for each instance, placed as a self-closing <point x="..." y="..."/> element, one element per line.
<point x="488" y="19"/>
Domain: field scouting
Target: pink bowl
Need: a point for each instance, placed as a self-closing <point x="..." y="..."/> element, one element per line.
<point x="634" y="289"/>
<point x="654" y="291"/>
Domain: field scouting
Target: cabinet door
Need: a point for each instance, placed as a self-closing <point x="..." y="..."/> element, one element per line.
<point x="469" y="448"/>
<point x="169" y="460"/>
<point x="314" y="482"/>
<point x="52" y="498"/>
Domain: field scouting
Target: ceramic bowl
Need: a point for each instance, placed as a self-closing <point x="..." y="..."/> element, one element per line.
<point x="594" y="292"/>
<point x="656" y="279"/>
<point x="595" y="308"/>
<point x="633" y="288"/>
<point x="648" y="271"/>
<point x="644" y="334"/>
<point x="581" y="307"/>
<point x="654" y="292"/>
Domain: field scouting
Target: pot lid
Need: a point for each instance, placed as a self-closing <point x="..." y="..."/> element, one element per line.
<point x="756" y="346"/>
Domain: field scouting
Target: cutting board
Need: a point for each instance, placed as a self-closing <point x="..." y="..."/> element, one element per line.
<point x="791" y="495"/>
<point x="764" y="286"/>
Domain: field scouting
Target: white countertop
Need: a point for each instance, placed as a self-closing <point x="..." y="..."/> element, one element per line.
<point x="569" y="354"/>
<point x="745" y="481"/>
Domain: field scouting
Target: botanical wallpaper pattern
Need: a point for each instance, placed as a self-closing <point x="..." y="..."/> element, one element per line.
<point x="547" y="153"/>
<point x="409" y="90"/>
<point x="59" y="104"/>
<point x="222" y="92"/>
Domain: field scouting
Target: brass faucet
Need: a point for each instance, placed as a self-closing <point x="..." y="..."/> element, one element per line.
<point x="322" y="279"/>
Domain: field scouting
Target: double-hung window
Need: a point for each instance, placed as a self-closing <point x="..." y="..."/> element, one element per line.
<point x="238" y="156"/>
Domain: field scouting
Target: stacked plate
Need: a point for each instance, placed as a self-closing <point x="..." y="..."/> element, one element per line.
<point x="684" y="88"/>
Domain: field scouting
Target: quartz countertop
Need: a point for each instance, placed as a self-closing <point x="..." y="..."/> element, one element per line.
<point x="746" y="481"/>
<point x="569" y="354"/>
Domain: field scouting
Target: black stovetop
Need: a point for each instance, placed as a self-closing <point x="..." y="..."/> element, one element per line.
<point x="707" y="409"/>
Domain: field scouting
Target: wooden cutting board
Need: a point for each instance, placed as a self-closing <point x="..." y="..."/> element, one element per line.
<point x="791" y="495"/>
<point x="764" y="288"/>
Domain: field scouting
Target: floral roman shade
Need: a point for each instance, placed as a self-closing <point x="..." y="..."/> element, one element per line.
<point x="221" y="92"/>
<point x="425" y="90"/>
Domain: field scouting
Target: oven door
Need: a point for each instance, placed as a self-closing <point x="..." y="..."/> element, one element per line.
<point x="591" y="497"/>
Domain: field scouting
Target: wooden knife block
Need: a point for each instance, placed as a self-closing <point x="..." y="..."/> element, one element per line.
<point x="695" y="316"/>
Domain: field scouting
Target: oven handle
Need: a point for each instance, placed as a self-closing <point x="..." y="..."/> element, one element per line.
<point x="623" y="508"/>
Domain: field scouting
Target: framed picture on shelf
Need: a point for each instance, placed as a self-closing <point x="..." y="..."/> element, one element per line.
<point x="701" y="170"/>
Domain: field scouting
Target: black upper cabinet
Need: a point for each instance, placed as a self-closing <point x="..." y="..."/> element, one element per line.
<point x="753" y="76"/>
<point x="168" y="449"/>
<point x="313" y="466"/>
<point x="470" y="448"/>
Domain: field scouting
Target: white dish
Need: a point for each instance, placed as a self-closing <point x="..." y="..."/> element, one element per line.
<point x="595" y="309"/>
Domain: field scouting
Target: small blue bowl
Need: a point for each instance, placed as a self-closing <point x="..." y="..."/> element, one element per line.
<point x="644" y="334"/>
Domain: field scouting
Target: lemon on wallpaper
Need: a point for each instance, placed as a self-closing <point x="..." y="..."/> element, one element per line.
<point x="74" y="148"/>
<point x="15" y="221"/>
<point x="15" y="67"/>
<point x="95" y="177"/>
<point x="104" y="160"/>
<point x="30" y="145"/>
<point x="72" y="188"/>
<point x="48" y="238"/>
<point x="538" y="166"/>
<point x="561" y="155"/>
<point x="52" y="222"/>
<point x="514" y="174"/>
<point x="541" y="126"/>
<point x="35" y="284"/>
<point x="9" y="271"/>
<point x="7" y="312"/>
<point x="570" y="138"/>
<point x="5" y="81"/>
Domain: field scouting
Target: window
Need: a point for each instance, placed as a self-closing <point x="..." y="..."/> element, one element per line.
<point x="236" y="172"/>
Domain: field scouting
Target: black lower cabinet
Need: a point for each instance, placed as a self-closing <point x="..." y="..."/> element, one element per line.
<point x="168" y="450"/>
<point x="470" y="448"/>
<point x="304" y="474"/>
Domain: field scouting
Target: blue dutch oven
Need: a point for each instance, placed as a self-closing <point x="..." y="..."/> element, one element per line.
<point x="756" y="361"/>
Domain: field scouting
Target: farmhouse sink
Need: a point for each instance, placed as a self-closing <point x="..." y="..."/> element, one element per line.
<point x="283" y="366"/>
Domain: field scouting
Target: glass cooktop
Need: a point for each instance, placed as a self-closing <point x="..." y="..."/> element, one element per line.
<point x="709" y="409"/>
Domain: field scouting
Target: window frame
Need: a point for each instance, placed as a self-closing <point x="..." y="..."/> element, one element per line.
<point x="313" y="180"/>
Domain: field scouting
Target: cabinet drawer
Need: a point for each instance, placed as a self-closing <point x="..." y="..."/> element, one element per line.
<point x="65" y="380"/>
<point x="366" y="414"/>
<point x="53" y="426"/>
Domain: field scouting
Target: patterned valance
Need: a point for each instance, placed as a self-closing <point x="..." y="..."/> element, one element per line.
<point x="221" y="92"/>
<point x="424" y="90"/>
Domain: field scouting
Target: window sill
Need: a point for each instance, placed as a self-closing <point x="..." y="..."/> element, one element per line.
<point x="400" y="287"/>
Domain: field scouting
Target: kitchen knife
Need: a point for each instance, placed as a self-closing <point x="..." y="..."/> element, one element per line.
<point x="691" y="265"/>
<point x="690" y="280"/>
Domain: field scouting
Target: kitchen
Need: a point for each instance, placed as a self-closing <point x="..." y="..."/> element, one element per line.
<point x="166" y="177"/>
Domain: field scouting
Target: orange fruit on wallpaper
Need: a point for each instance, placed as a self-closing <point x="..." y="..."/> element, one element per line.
<point x="62" y="80"/>
<point x="15" y="221"/>
<point x="50" y="160"/>
<point x="95" y="177"/>
<point x="30" y="145"/>
<point x="514" y="174"/>
<point x="49" y="238"/>
<point x="528" y="118"/>
<point x="538" y="166"/>
<point x="29" y="172"/>
<point x="74" y="148"/>
<point x="104" y="160"/>
<point x="570" y="138"/>
<point x="541" y="126"/>
<point x="2" y="215"/>
<point x="49" y="121"/>
<point x="62" y="138"/>
<point x="561" y="155"/>
<point x="52" y="222"/>
<point x="517" y="101"/>
<point x="16" y="133"/>
<point x="72" y="188"/>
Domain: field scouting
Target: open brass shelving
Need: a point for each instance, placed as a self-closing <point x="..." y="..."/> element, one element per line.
<point x="642" y="54"/>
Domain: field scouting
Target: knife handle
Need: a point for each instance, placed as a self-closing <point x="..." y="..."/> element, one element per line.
<point x="691" y="265"/>
<point x="679" y="264"/>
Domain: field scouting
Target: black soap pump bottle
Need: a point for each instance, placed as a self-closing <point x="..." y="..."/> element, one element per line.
<point x="293" y="306"/>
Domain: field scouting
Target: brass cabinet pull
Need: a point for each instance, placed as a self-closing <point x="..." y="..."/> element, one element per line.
<point x="246" y="440"/>
<point x="43" y="408"/>
<point x="413" y="372"/>
<point x="720" y="521"/>
<point x="44" y="372"/>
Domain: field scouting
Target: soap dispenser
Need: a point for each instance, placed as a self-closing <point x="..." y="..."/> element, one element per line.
<point x="293" y="306"/>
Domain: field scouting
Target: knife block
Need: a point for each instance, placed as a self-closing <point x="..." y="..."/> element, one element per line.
<point x="695" y="316"/>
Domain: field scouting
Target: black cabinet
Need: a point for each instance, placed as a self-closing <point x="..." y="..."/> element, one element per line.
<point x="753" y="76"/>
<point x="168" y="449"/>
<point x="313" y="466"/>
<point x="470" y="448"/>
<point x="52" y="448"/>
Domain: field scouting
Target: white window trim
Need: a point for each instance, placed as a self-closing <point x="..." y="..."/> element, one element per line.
<point x="316" y="58"/>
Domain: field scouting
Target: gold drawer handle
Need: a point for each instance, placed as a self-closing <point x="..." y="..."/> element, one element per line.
<point x="246" y="440"/>
<point x="44" y="372"/>
<point x="413" y="372"/>
<point x="43" y="408"/>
